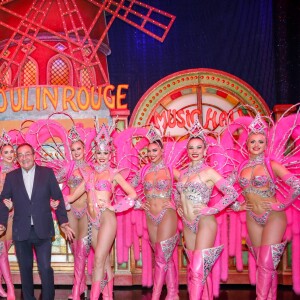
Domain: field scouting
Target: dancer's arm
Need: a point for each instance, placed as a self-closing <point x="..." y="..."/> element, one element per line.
<point x="139" y="203"/>
<point x="77" y="193"/>
<point x="229" y="192"/>
<point x="5" y="194"/>
<point x="289" y="179"/>
<point x="129" y="200"/>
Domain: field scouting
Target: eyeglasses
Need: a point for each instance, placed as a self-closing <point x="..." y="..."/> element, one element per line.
<point x="26" y="155"/>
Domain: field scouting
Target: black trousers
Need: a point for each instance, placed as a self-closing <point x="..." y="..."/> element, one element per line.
<point x="24" y="251"/>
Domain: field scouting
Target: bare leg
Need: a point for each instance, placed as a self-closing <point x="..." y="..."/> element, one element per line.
<point x="80" y="251"/>
<point x="6" y="240"/>
<point x="165" y="242"/>
<point x="274" y="229"/>
<point x="203" y="257"/>
<point x="102" y="246"/>
<point x="270" y="251"/>
<point x="255" y="231"/>
<point x="263" y="239"/>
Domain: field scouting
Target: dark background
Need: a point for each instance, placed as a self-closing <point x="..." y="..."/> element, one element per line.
<point x="255" y="40"/>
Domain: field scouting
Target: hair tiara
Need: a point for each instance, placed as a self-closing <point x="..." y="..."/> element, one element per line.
<point x="4" y="139"/>
<point x="257" y="126"/>
<point x="74" y="135"/>
<point x="103" y="139"/>
<point x="153" y="135"/>
<point x="197" y="131"/>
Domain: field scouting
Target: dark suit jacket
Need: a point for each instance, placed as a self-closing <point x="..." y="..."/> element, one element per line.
<point x="45" y="187"/>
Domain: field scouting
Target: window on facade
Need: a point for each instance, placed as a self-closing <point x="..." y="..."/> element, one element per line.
<point x="87" y="77"/>
<point x="6" y="79"/>
<point x="29" y="73"/>
<point x="59" y="72"/>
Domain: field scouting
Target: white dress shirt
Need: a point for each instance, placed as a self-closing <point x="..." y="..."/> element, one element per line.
<point x="28" y="178"/>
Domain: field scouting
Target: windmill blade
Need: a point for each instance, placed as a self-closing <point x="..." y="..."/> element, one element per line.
<point x="150" y="20"/>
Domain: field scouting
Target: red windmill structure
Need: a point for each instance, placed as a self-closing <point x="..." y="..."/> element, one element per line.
<point x="64" y="42"/>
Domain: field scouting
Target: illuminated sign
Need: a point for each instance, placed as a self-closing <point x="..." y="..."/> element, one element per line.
<point x="174" y="102"/>
<point x="26" y="102"/>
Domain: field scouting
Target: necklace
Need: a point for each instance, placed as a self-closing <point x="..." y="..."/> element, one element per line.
<point x="79" y="164"/>
<point x="6" y="168"/>
<point x="156" y="167"/>
<point x="257" y="160"/>
<point x="101" y="168"/>
<point x="194" y="169"/>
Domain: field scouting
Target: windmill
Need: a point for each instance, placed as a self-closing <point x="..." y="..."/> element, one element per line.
<point x="31" y="24"/>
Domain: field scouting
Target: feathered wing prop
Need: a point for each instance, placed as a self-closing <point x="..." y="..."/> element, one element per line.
<point x="46" y="137"/>
<point x="51" y="142"/>
<point x="233" y="140"/>
<point x="132" y="227"/>
<point x="130" y="147"/>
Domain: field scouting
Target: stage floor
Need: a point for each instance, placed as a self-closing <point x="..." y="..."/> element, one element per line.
<point x="228" y="292"/>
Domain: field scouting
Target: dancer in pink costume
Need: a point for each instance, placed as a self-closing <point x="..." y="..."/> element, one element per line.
<point x="77" y="212"/>
<point x="7" y="164"/>
<point x="195" y="186"/>
<point x="100" y="185"/>
<point x="157" y="179"/>
<point x="265" y="218"/>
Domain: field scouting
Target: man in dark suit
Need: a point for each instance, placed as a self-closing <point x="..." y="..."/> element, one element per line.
<point x="30" y="189"/>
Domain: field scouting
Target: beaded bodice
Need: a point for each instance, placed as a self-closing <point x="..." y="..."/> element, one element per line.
<point x="196" y="191"/>
<point x="154" y="187"/>
<point x="262" y="185"/>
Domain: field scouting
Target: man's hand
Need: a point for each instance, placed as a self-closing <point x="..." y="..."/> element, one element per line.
<point x="67" y="230"/>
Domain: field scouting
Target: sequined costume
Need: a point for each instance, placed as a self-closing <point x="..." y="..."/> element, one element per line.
<point x="261" y="185"/>
<point x="192" y="189"/>
<point x="199" y="193"/>
<point x="160" y="189"/>
<point x="98" y="185"/>
<point x="165" y="269"/>
<point x="73" y="181"/>
<point x="195" y="191"/>
<point x="280" y="142"/>
<point x="93" y="184"/>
